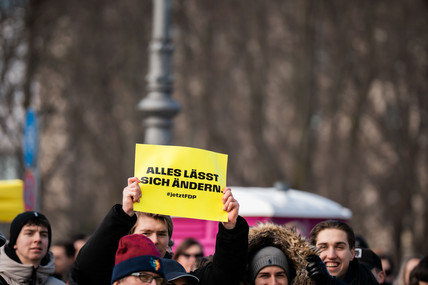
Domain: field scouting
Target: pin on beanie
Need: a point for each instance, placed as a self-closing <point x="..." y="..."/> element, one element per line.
<point x="27" y="218"/>
<point x="269" y="256"/>
<point x="136" y="253"/>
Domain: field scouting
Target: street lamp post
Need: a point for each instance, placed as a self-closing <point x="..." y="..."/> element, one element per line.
<point x="158" y="107"/>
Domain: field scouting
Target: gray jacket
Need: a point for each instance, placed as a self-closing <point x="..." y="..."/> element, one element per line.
<point x="15" y="273"/>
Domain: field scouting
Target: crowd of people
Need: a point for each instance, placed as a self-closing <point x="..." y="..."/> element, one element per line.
<point x="131" y="247"/>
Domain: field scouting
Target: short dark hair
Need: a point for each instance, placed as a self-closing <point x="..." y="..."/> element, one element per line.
<point x="36" y="221"/>
<point x="68" y="246"/>
<point x="185" y="244"/>
<point x="332" y="224"/>
<point x="420" y="272"/>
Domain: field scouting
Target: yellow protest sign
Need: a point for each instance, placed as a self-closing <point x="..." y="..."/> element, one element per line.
<point x="11" y="199"/>
<point x="181" y="181"/>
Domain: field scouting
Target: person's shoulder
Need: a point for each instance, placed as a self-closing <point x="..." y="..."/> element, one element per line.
<point x="365" y="275"/>
<point x="3" y="281"/>
<point x="54" y="281"/>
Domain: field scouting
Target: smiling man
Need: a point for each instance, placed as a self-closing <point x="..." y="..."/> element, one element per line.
<point x="336" y="243"/>
<point x="335" y="251"/>
<point x="26" y="259"/>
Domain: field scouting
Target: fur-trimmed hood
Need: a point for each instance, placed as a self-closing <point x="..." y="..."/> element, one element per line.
<point x="293" y="245"/>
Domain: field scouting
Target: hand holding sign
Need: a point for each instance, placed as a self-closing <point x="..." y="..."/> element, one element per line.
<point x="131" y="194"/>
<point x="231" y="206"/>
<point x="182" y="181"/>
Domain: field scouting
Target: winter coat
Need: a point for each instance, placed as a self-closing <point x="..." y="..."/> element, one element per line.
<point x="16" y="273"/>
<point x="295" y="247"/>
<point x="358" y="274"/>
<point x="230" y="256"/>
<point x="95" y="261"/>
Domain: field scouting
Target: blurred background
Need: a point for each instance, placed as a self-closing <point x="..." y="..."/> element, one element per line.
<point x="330" y="97"/>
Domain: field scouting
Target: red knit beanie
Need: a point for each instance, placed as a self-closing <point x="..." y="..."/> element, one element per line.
<point x="136" y="253"/>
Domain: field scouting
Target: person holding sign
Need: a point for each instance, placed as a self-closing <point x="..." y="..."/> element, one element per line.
<point x="95" y="262"/>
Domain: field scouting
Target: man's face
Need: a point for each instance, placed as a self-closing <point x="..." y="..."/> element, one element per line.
<point x="189" y="256"/>
<point x="335" y="251"/>
<point x="135" y="280"/>
<point x="155" y="230"/>
<point x="271" y="275"/>
<point x="32" y="244"/>
<point x="78" y="245"/>
<point x="62" y="262"/>
<point x="379" y="275"/>
<point x="386" y="265"/>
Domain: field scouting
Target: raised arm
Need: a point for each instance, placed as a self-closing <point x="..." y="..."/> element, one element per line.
<point x="95" y="261"/>
<point x="230" y="255"/>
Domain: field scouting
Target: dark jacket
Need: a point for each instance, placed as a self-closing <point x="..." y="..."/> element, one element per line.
<point x="229" y="258"/>
<point x="358" y="274"/>
<point x="95" y="261"/>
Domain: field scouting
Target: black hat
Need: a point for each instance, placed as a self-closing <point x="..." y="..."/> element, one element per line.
<point x="174" y="270"/>
<point x="2" y="239"/>
<point x="27" y="218"/>
<point x="360" y="242"/>
<point x="369" y="258"/>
